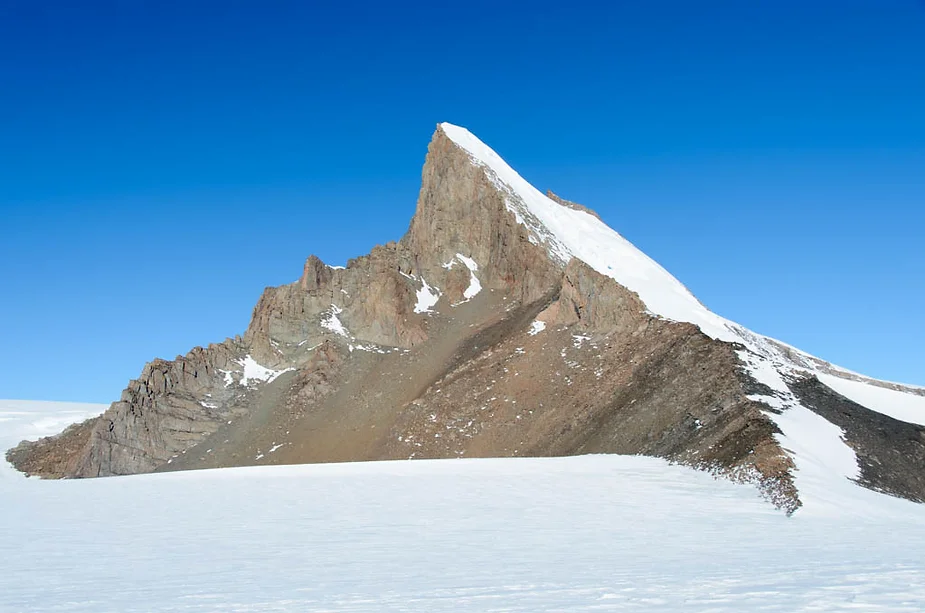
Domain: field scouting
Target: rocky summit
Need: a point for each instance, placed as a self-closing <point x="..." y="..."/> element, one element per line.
<point x="506" y="322"/>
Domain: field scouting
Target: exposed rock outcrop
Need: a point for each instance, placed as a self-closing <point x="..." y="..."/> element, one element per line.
<point x="569" y="204"/>
<point x="169" y="408"/>
<point x="461" y="211"/>
<point x="472" y="336"/>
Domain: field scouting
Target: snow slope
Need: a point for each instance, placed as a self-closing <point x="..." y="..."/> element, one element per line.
<point x="822" y="458"/>
<point x="593" y="533"/>
<point x="898" y="405"/>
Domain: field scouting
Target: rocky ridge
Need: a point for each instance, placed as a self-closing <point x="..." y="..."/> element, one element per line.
<point x="480" y="333"/>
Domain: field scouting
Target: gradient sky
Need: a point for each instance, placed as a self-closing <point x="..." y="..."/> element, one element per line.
<point x="162" y="162"/>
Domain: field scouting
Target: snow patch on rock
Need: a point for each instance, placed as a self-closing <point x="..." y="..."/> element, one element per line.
<point x="475" y="286"/>
<point x="427" y="297"/>
<point x="229" y="380"/>
<point x="330" y="321"/>
<point x="250" y="374"/>
<point x="255" y="373"/>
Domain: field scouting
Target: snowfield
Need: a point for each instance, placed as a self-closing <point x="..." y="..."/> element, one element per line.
<point x="592" y="533"/>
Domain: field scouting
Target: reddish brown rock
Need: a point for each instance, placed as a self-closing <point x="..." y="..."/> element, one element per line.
<point x="347" y="368"/>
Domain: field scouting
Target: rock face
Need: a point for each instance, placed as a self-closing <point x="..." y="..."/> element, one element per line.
<point x="478" y="334"/>
<point x="169" y="408"/>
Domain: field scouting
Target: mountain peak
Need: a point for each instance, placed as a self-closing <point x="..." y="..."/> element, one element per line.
<point x="567" y="230"/>
<point x="505" y="322"/>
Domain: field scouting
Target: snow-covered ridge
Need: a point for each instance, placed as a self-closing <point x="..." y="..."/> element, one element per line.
<point x="569" y="233"/>
<point x="817" y="447"/>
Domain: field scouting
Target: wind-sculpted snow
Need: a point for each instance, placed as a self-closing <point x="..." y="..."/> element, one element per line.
<point x="591" y="533"/>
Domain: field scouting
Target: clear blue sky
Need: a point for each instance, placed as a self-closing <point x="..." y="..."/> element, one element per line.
<point x="162" y="162"/>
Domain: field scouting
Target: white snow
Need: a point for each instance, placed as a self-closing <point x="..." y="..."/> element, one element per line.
<point x="536" y="327"/>
<point x="591" y="533"/>
<point x="427" y="298"/>
<point x="228" y="378"/>
<point x="904" y="406"/>
<point x="250" y="374"/>
<point x="254" y="372"/>
<point x="475" y="286"/>
<point x="568" y="233"/>
<point x="331" y="322"/>
<point x="825" y="465"/>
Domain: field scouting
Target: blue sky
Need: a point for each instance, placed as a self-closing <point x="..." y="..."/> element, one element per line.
<point x="162" y="162"/>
